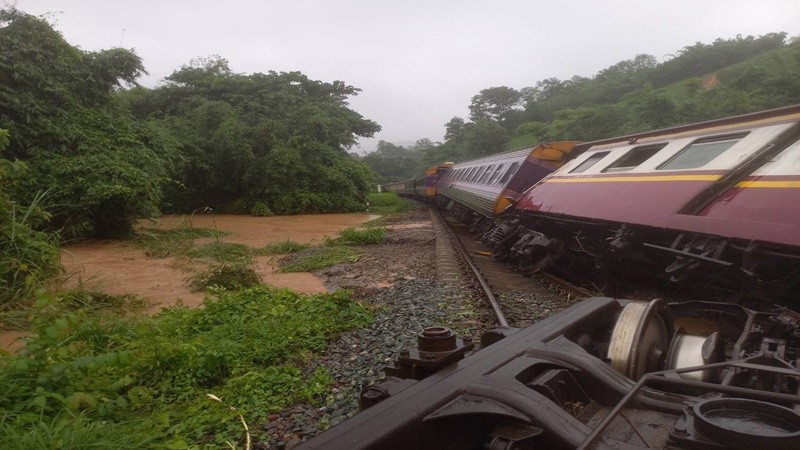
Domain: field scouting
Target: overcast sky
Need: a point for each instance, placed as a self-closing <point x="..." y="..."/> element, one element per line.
<point x="418" y="62"/>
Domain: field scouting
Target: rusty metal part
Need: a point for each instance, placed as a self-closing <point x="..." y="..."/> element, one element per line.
<point x="437" y="347"/>
<point x="378" y="392"/>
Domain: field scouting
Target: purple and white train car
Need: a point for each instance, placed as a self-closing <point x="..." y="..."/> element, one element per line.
<point x="488" y="186"/>
<point x="719" y="198"/>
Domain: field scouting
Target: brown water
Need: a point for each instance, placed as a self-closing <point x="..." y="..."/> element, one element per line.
<point x="117" y="268"/>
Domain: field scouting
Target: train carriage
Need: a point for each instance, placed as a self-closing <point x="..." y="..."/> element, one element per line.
<point x="715" y="203"/>
<point x="721" y="196"/>
<point x="488" y="186"/>
<point x="424" y="187"/>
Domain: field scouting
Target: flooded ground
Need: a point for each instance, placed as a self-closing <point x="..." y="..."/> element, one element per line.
<point x="118" y="268"/>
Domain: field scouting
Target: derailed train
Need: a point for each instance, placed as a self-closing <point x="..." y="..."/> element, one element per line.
<point x="712" y="205"/>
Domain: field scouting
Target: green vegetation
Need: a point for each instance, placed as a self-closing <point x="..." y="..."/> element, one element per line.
<point x="335" y="251"/>
<point x="223" y="253"/>
<point x="85" y="151"/>
<point x="135" y="382"/>
<point x="101" y="169"/>
<point x="700" y="82"/>
<point x="258" y="144"/>
<point x="387" y="203"/>
<point x="229" y="277"/>
<point x="260" y="209"/>
<point x="321" y="258"/>
<point x="161" y="243"/>
<point x="351" y="236"/>
<point x="281" y="248"/>
<point x="29" y="257"/>
<point x="229" y="263"/>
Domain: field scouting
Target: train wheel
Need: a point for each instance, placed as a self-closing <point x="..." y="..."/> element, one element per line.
<point x="640" y="338"/>
<point x="501" y="253"/>
<point x="531" y="265"/>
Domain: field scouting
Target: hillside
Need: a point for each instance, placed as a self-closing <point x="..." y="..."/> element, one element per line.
<point x="701" y="82"/>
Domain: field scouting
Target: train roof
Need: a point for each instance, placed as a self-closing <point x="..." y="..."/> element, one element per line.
<point x="771" y="115"/>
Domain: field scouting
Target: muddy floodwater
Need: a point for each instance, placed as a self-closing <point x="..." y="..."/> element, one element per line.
<point x="116" y="267"/>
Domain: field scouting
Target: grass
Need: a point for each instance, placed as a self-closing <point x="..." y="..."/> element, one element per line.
<point x="85" y="300"/>
<point x="281" y="248"/>
<point x="73" y="300"/>
<point x="158" y="243"/>
<point x="336" y="251"/>
<point x="102" y="380"/>
<point x="228" y="262"/>
<point x="351" y="236"/>
<point x="91" y="376"/>
<point x="322" y="258"/>
<point x="228" y="277"/>
<point x="223" y="253"/>
<point x="387" y="203"/>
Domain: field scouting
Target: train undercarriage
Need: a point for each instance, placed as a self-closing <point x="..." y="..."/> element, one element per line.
<point x="609" y="256"/>
<point x="711" y="371"/>
<point x="604" y="373"/>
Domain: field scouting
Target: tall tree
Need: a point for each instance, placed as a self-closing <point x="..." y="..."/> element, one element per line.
<point x="101" y="168"/>
<point x="484" y="138"/>
<point x="454" y="130"/>
<point x="275" y="138"/>
<point x="493" y="103"/>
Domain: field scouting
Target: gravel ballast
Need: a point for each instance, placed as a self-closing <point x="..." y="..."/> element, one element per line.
<point x="397" y="279"/>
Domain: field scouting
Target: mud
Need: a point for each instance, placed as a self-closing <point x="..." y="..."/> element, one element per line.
<point x="118" y="268"/>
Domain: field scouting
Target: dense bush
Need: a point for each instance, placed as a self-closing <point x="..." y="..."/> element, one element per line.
<point x="275" y="138"/>
<point x="130" y="381"/>
<point x="387" y="203"/>
<point x="100" y="167"/>
<point x="29" y="257"/>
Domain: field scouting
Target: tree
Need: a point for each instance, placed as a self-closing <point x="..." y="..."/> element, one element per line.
<point x="454" y="130"/>
<point x="484" y="138"/>
<point x="101" y="168"/>
<point x="30" y="257"/>
<point x="637" y="64"/>
<point x="392" y="162"/>
<point x="493" y="103"/>
<point x="275" y="138"/>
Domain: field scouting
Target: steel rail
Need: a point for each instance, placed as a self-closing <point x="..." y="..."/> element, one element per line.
<point x="573" y="290"/>
<point x="487" y="291"/>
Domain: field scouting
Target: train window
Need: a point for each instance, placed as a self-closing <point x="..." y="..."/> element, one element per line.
<point x="496" y="174"/>
<point x="590" y="161"/>
<point x="475" y="174"/>
<point x="701" y="152"/>
<point x="471" y="174"/>
<point x="510" y="172"/>
<point x="479" y="174"/>
<point x="634" y="157"/>
<point x="486" y="174"/>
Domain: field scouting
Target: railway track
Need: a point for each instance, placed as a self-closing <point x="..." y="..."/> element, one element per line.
<point x="605" y="373"/>
<point x="514" y="299"/>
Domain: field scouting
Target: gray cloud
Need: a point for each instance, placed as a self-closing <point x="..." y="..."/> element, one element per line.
<point x="418" y="61"/>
